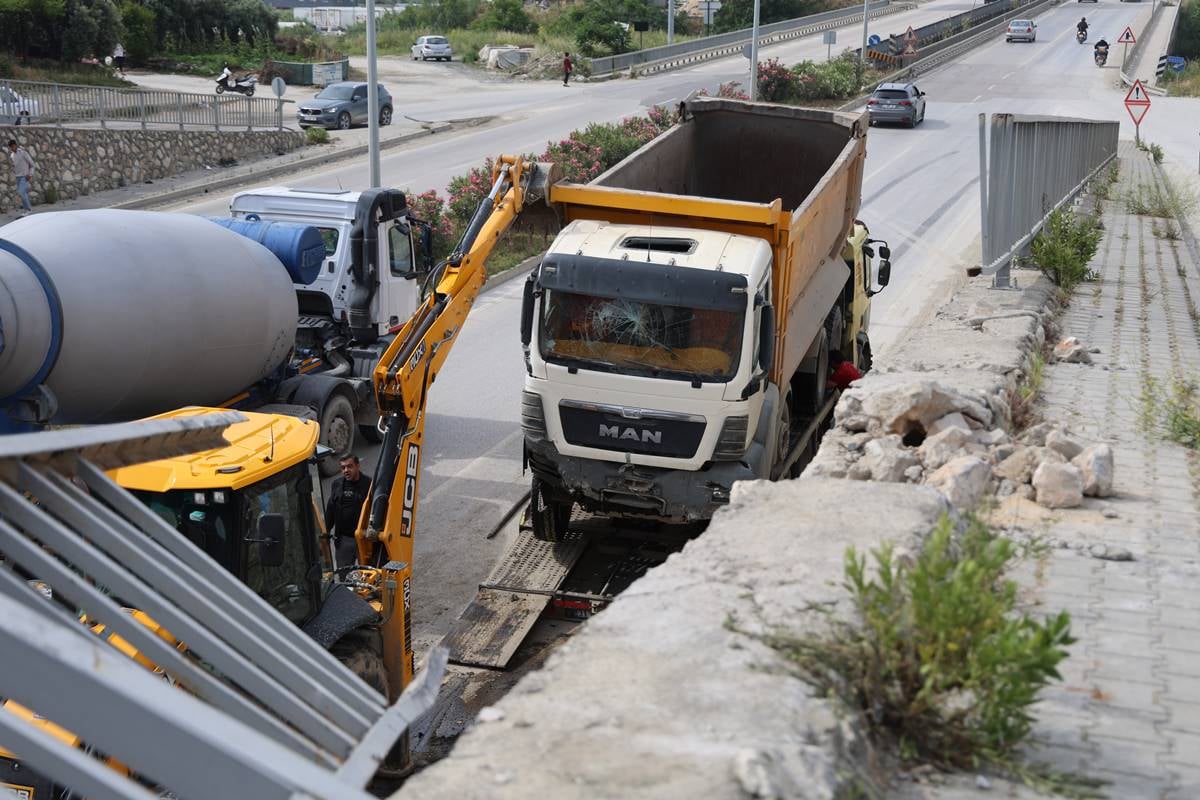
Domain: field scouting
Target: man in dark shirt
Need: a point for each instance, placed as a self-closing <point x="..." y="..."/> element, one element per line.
<point x="342" y="510"/>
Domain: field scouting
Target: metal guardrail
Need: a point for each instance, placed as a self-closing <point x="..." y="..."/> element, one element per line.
<point x="723" y="44"/>
<point x="252" y="707"/>
<point x="1135" y="55"/>
<point x="938" y="53"/>
<point x="61" y="104"/>
<point x="941" y="29"/>
<point x="1029" y="167"/>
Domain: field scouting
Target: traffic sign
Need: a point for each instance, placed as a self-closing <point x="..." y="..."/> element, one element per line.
<point x="1127" y="36"/>
<point x="874" y="40"/>
<point x="1137" y="103"/>
<point x="910" y="41"/>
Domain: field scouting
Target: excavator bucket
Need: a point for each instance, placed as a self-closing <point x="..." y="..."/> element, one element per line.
<point x="538" y="216"/>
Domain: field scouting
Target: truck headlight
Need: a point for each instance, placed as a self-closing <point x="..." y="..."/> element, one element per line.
<point x="533" y="418"/>
<point x="731" y="444"/>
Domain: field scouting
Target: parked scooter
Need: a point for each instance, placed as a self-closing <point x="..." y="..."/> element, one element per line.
<point x="243" y="85"/>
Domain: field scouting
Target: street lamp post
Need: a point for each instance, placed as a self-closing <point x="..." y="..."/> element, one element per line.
<point x="670" y="22"/>
<point x="862" y="55"/>
<point x="372" y="99"/>
<point x="754" y="55"/>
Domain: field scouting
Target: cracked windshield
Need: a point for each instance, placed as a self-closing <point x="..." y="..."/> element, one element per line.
<point x="646" y="338"/>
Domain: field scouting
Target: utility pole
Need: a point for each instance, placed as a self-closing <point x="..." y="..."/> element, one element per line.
<point x="862" y="55"/>
<point x="754" y="55"/>
<point x="670" y="22"/>
<point x="372" y="99"/>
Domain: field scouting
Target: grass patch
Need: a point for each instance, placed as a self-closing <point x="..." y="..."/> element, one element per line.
<point x="936" y="659"/>
<point x="316" y="135"/>
<point x="1102" y="189"/>
<point x="1064" y="247"/>
<point x="1183" y="84"/>
<point x="1160" y="200"/>
<point x="1172" y="411"/>
<point x="55" y="72"/>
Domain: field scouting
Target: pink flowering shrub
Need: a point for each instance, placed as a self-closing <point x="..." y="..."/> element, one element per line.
<point x="578" y="160"/>
<point x="776" y="83"/>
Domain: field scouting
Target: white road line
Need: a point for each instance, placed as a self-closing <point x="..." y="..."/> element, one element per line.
<point x="977" y="97"/>
<point x="993" y="86"/>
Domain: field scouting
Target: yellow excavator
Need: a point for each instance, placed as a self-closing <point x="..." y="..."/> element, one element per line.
<point x="253" y="505"/>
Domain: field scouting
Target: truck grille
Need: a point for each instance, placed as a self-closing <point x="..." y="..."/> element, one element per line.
<point x="631" y="430"/>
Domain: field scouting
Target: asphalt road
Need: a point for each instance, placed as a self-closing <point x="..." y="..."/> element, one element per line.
<point x="920" y="192"/>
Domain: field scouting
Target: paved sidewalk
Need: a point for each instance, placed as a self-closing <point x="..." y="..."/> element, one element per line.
<point x="1128" y="708"/>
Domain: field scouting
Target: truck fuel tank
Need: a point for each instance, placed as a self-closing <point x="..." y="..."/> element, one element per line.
<point x="123" y="314"/>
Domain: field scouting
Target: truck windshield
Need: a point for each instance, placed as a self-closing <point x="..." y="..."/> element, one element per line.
<point x="287" y="586"/>
<point x="641" y="338"/>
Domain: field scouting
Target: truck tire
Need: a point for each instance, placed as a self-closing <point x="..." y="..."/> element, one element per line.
<point x="810" y="386"/>
<point x="361" y="651"/>
<point x="337" y="431"/>
<point x="783" y="437"/>
<point x="549" y="518"/>
<point x="864" y="355"/>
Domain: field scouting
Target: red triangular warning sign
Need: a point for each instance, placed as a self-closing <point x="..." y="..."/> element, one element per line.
<point x="1137" y="102"/>
<point x="1127" y="36"/>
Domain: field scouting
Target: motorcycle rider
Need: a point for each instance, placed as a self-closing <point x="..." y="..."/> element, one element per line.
<point x="1101" y="46"/>
<point x="1082" y="26"/>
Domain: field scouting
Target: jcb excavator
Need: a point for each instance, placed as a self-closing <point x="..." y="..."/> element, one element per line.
<point x="265" y="498"/>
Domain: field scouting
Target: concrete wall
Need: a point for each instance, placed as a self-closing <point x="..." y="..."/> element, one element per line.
<point x="79" y="161"/>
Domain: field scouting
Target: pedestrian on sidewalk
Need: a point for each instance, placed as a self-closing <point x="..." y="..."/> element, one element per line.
<point x="568" y="67"/>
<point x="119" y="58"/>
<point x="23" y="168"/>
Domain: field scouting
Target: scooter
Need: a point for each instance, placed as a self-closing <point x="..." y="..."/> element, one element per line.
<point x="1101" y="56"/>
<point x="244" y="85"/>
<point x="1081" y="36"/>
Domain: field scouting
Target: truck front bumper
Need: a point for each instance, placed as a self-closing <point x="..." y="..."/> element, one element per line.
<point x="610" y="488"/>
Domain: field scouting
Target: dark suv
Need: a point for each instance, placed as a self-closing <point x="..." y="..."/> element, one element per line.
<point x="897" y="102"/>
<point x="342" y="104"/>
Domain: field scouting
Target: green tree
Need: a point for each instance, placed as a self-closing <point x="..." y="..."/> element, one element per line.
<point x="91" y="28"/>
<point x="141" y="36"/>
<point x="506" y="15"/>
<point x="28" y="27"/>
<point x="737" y="14"/>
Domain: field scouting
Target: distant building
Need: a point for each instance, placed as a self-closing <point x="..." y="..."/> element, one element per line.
<point x="333" y="17"/>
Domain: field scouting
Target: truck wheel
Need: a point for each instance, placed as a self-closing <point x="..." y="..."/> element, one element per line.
<point x="810" y="387"/>
<point x="337" y="431"/>
<point x="549" y="519"/>
<point x="864" y="356"/>
<point x="783" y="439"/>
<point x="362" y="651"/>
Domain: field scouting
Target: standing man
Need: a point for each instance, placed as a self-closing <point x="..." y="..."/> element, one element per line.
<point x="568" y="67"/>
<point x="119" y="58"/>
<point x="346" y="498"/>
<point x="23" y="168"/>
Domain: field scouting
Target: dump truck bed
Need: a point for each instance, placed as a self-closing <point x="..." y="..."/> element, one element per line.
<point x="791" y="176"/>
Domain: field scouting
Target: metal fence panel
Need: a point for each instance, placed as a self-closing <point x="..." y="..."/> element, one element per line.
<point x="1031" y="166"/>
<point x="61" y="104"/>
<point x="250" y="692"/>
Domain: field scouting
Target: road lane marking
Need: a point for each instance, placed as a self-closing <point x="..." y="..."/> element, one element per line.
<point x="977" y="97"/>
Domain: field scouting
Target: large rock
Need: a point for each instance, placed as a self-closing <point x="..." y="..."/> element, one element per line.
<point x="955" y="420"/>
<point x="962" y="480"/>
<point x="1096" y="464"/>
<point x="1061" y="442"/>
<point x="1058" y="485"/>
<point x="900" y="408"/>
<point x="941" y="447"/>
<point x="887" y="459"/>
<point x="1019" y="467"/>
<point x="1071" y="351"/>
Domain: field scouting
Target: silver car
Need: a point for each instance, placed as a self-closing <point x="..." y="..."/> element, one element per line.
<point x="435" y="47"/>
<point x="896" y="102"/>
<point x="16" y="108"/>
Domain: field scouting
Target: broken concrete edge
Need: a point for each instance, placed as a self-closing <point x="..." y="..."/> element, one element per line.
<point x="254" y="175"/>
<point x="672" y="691"/>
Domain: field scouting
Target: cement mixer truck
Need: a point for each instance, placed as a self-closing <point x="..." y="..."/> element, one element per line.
<point x="677" y="332"/>
<point x="284" y="307"/>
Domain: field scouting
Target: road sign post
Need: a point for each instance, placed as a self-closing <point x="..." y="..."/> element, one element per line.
<point x="1126" y="38"/>
<point x="1137" y="103"/>
<point x="830" y="39"/>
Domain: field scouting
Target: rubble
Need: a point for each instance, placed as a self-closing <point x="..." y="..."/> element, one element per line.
<point x="1058" y="485"/>
<point x="962" y="480"/>
<point x="1070" y="351"/>
<point x="1061" y="443"/>
<point x="943" y="446"/>
<point x="887" y="459"/>
<point x="1096" y="464"/>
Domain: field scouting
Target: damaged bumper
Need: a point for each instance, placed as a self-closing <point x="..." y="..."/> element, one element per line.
<point x="611" y="488"/>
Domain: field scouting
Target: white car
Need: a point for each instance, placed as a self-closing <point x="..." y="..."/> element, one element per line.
<point x="435" y="47"/>
<point x="14" y="106"/>
<point x="1024" y="30"/>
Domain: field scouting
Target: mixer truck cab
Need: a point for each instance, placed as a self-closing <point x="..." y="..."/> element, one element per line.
<point x="387" y="293"/>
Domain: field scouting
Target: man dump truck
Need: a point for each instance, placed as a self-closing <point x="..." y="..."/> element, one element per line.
<point x="678" y="329"/>
<point x="288" y="310"/>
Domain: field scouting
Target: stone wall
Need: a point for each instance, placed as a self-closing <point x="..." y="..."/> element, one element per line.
<point x="80" y="161"/>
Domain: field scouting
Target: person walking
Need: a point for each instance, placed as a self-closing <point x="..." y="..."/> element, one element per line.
<point x="119" y="58"/>
<point x="346" y="498"/>
<point x="568" y="67"/>
<point x="23" y="168"/>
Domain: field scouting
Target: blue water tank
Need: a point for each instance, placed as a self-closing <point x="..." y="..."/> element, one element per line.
<point x="299" y="247"/>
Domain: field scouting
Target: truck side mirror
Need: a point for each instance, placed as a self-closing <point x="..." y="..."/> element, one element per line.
<point x="766" y="338"/>
<point x="527" y="309"/>
<point x="885" y="252"/>
<point x="270" y="539"/>
<point x="885" y="272"/>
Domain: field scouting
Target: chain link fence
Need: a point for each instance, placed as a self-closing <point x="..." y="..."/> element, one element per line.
<point x="37" y="103"/>
<point x="1030" y="166"/>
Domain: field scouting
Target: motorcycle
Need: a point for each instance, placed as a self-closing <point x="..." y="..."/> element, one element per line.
<point x="244" y="85"/>
<point x="1101" y="56"/>
<point x="1081" y="36"/>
